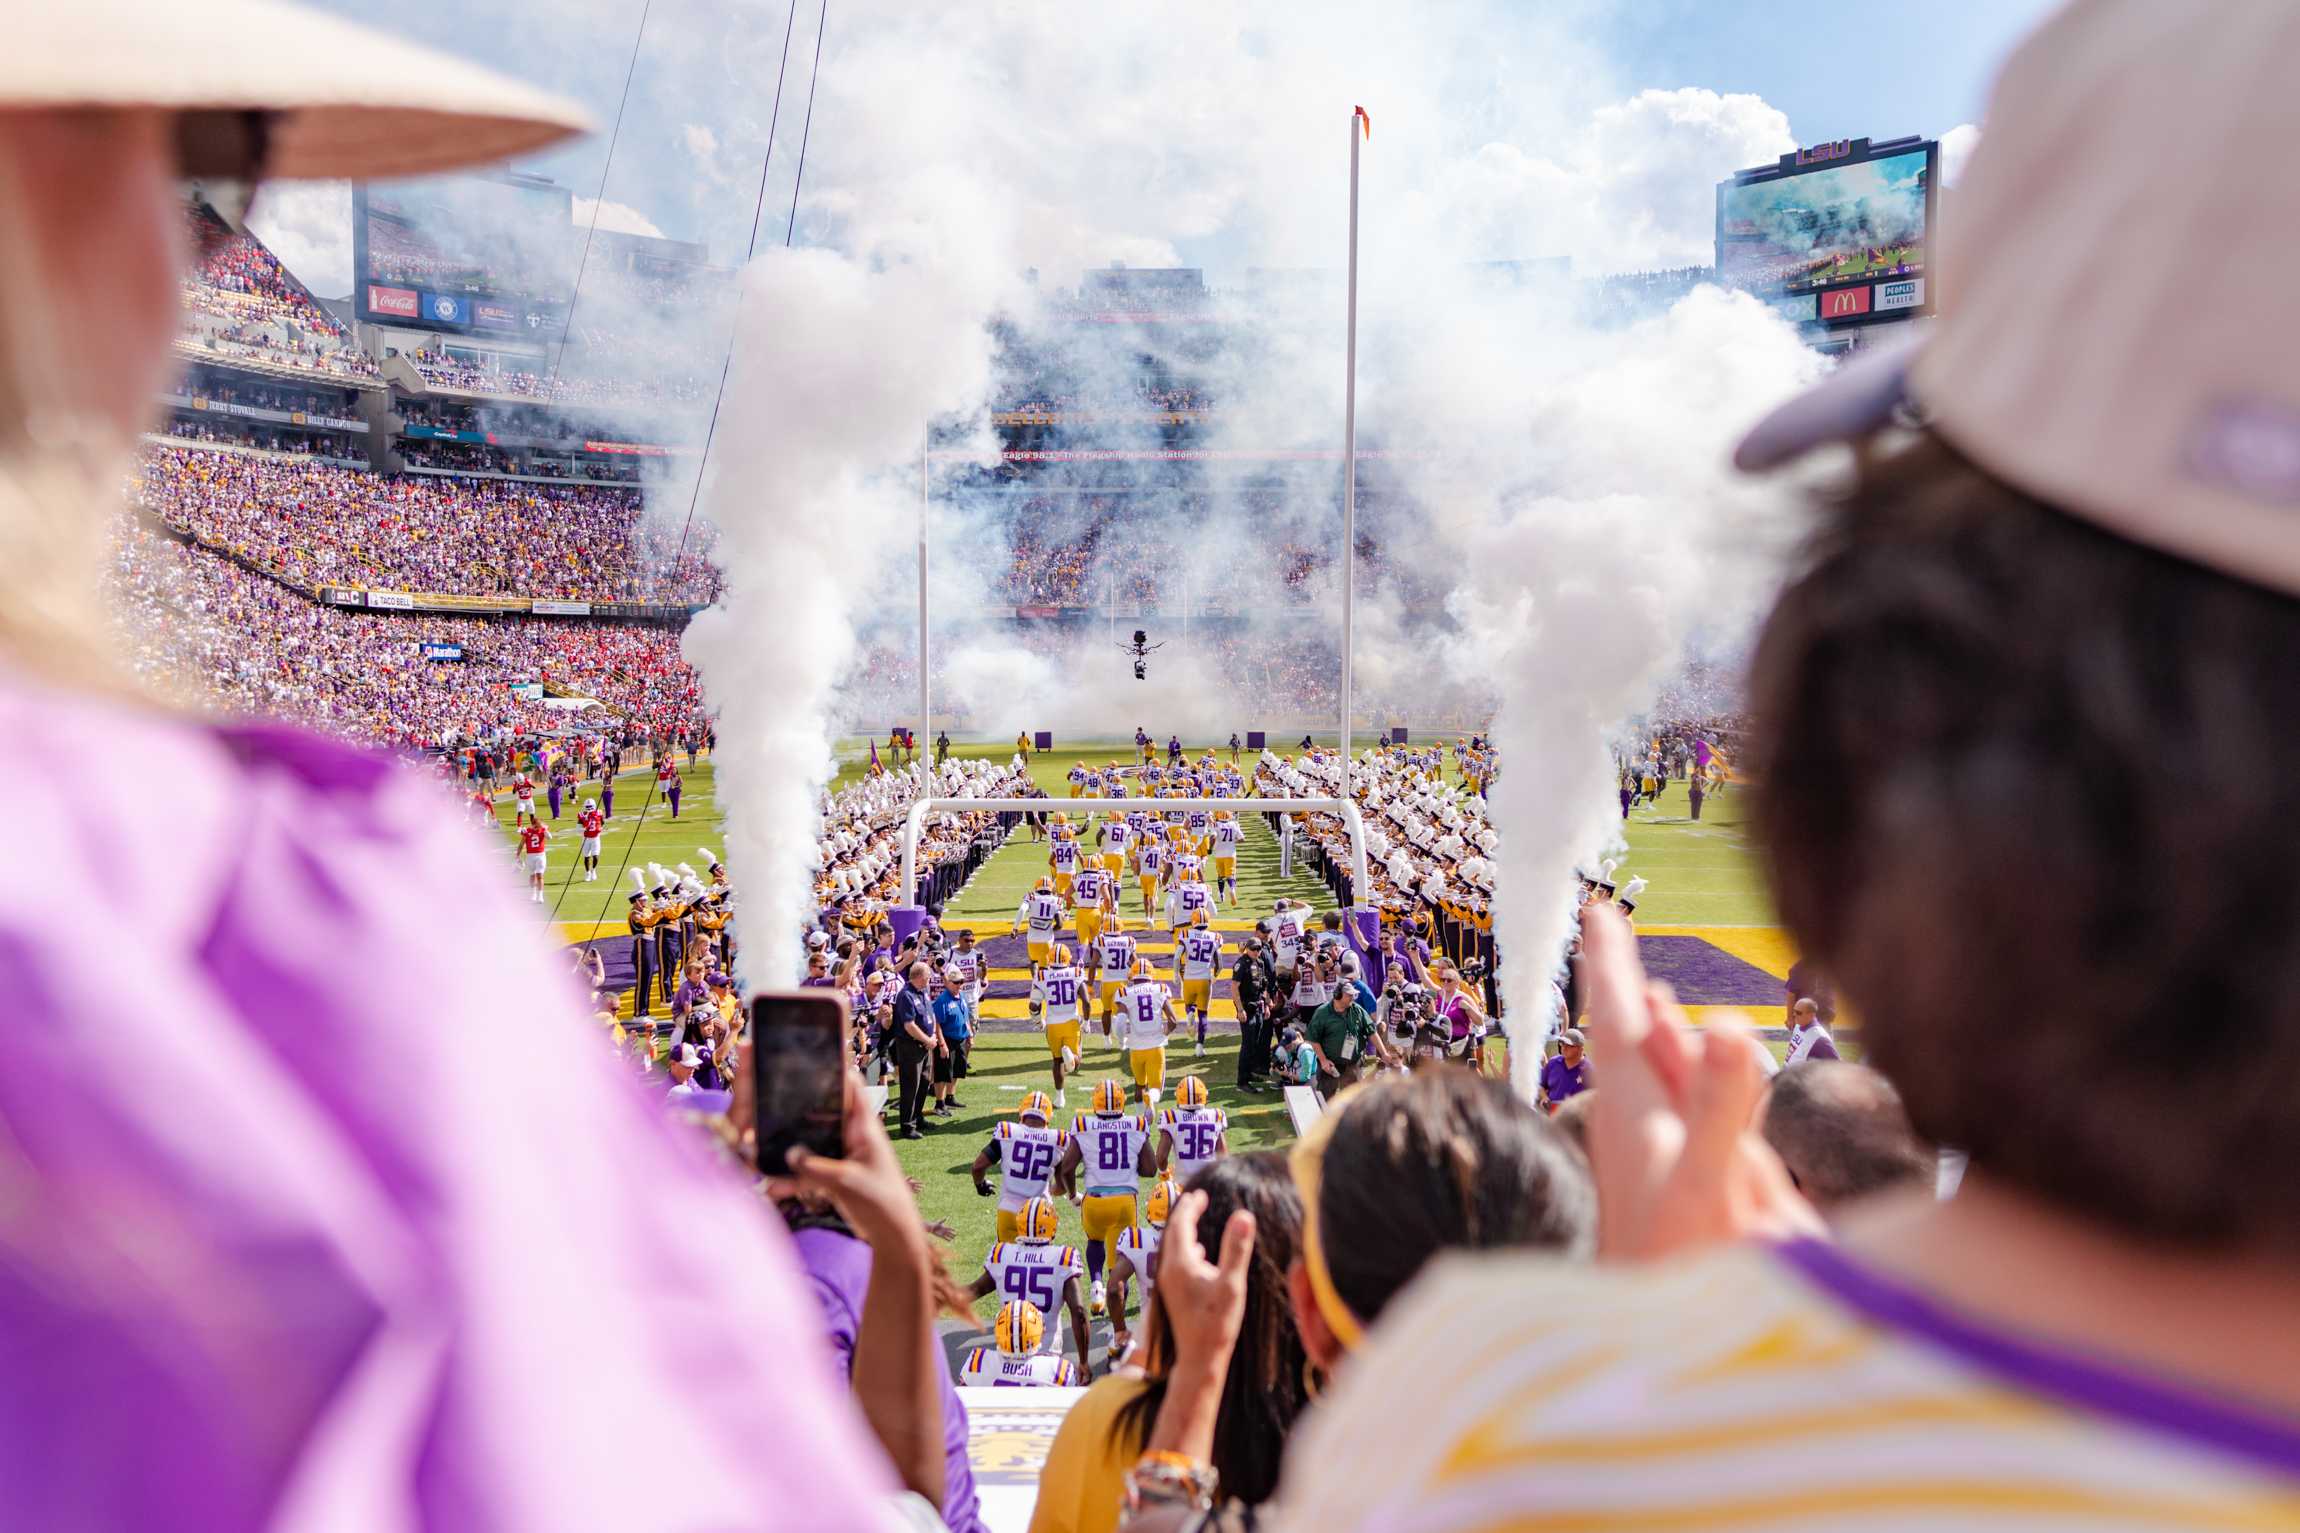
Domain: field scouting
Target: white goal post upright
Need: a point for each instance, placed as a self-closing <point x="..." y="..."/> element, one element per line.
<point x="1347" y="809"/>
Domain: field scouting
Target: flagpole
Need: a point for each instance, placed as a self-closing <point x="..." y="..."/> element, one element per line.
<point x="925" y="696"/>
<point x="1350" y="475"/>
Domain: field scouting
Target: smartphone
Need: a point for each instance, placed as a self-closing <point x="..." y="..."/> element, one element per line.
<point x="799" y="1060"/>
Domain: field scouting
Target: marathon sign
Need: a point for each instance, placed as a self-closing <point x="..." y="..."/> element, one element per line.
<point x="400" y="302"/>
<point x="398" y="601"/>
<point x="561" y="608"/>
<point x="1900" y="295"/>
<point x="443" y="652"/>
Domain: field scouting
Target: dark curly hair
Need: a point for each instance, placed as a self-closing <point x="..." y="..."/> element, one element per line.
<point x="2026" y="792"/>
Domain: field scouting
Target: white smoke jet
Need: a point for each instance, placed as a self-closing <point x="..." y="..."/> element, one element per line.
<point x="813" y="484"/>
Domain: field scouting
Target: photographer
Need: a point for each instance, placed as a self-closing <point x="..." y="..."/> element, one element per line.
<point x="1461" y="1013"/>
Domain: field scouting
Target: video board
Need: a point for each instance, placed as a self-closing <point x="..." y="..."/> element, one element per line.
<point x="1837" y="234"/>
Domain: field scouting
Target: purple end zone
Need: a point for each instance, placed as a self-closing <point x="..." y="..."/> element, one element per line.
<point x="1707" y="976"/>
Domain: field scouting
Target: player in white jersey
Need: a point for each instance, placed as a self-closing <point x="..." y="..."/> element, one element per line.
<point x="1198" y="954"/>
<point x="1063" y="858"/>
<point x="1025" y="1152"/>
<point x="1144" y="1010"/>
<point x="1093" y="896"/>
<point x="1188" y="899"/>
<point x="1137" y="1257"/>
<point x="1198" y="829"/>
<point x="1226" y="836"/>
<point x="1044" y="1275"/>
<point x="1108" y="1154"/>
<point x="1117" y="839"/>
<point x="1116" y="967"/>
<point x="1040" y="914"/>
<point x="1150" y="871"/>
<point x="1013" y="1358"/>
<point x="1058" y="998"/>
<point x="1193" y="1133"/>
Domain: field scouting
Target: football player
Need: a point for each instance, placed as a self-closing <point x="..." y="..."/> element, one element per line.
<point x="1041" y="914"/>
<point x="591" y="822"/>
<point x="1036" y="1270"/>
<point x="1014" y="1358"/>
<point x="1093" y="895"/>
<point x="1226" y="855"/>
<point x="1192" y="1133"/>
<point x="1199" y="956"/>
<point x="1150" y="869"/>
<point x="1137" y="1257"/>
<point x="1117" y="838"/>
<point x="1145" y="1009"/>
<point x="1117" y="966"/>
<point x="1108" y="1154"/>
<point x="1062" y="859"/>
<point x="1024" y="1151"/>
<point x="1058" y="998"/>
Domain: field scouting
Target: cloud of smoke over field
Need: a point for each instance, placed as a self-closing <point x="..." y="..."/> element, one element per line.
<point x="1544" y="492"/>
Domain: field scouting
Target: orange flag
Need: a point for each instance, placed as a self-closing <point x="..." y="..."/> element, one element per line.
<point x="1367" y="123"/>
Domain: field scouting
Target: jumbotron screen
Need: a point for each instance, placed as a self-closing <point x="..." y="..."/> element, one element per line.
<point x="465" y="253"/>
<point x="1836" y="234"/>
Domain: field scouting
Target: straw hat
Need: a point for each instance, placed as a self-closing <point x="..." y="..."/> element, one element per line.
<point x="349" y="102"/>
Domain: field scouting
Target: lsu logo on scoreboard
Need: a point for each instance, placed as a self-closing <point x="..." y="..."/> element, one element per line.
<point x="1844" y="303"/>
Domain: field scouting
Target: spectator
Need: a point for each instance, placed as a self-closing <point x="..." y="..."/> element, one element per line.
<point x="277" y="916"/>
<point x="1341" y="1034"/>
<point x="1265" y="1386"/>
<point x="1808" y="1039"/>
<point x="1843" y="1134"/>
<point x="953" y="1038"/>
<point x="1565" y="1075"/>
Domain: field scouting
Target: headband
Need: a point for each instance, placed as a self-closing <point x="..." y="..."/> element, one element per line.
<point x="1307" y="1162"/>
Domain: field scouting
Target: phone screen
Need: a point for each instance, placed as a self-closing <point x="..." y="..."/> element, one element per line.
<point x="798" y="1071"/>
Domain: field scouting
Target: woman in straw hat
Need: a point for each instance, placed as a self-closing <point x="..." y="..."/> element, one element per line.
<point x="284" y="1258"/>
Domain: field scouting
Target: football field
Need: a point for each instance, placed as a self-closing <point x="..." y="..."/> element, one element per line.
<point x="1704" y="925"/>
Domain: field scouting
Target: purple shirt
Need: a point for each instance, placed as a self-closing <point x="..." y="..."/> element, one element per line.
<point x="304" y="1265"/>
<point x="1560" y="1080"/>
<point x="839" y="1265"/>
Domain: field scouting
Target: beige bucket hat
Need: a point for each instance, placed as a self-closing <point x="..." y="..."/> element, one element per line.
<point x="2116" y="334"/>
<point x="344" y="100"/>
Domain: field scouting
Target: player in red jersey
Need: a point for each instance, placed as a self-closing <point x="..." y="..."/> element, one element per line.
<point x="592" y="822"/>
<point x="533" y="837"/>
<point x="523" y="800"/>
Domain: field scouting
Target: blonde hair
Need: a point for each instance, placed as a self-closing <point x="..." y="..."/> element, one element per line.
<point x="64" y="455"/>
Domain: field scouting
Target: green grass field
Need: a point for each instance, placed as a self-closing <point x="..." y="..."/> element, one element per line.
<point x="1700" y="875"/>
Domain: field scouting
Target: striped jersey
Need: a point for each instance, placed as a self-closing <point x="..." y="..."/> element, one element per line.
<point x="1759" y="1390"/>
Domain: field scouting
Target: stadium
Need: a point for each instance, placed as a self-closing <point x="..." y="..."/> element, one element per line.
<point x="1200" y="854"/>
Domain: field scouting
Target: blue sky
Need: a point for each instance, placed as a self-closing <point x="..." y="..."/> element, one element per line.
<point x="687" y="162"/>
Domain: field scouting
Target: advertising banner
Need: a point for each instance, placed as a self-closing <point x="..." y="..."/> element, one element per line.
<point x="527" y="691"/>
<point x="398" y="601"/>
<point x="494" y="316"/>
<point x="1802" y="309"/>
<point x="562" y="608"/>
<point x="1844" y="302"/>
<point x="399" y="302"/>
<point x="644" y="449"/>
<point x="447" y="308"/>
<point x="443" y="652"/>
<point x="344" y="596"/>
<point x="1900" y="295"/>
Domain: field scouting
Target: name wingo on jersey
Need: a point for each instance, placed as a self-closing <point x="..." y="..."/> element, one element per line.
<point x="1026" y="1157"/>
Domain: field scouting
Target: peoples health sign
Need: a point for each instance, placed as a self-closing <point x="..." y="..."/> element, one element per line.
<point x="1900" y="295"/>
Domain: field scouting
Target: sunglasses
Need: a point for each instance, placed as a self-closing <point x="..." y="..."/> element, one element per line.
<point x="221" y="157"/>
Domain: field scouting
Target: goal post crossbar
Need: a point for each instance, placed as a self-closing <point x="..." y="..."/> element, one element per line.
<point x="1347" y="809"/>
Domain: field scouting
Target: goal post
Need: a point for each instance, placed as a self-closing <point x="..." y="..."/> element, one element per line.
<point x="1363" y="920"/>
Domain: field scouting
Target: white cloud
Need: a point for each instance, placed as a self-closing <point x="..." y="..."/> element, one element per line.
<point x="307" y="224"/>
<point x="1957" y="146"/>
<point x="615" y="217"/>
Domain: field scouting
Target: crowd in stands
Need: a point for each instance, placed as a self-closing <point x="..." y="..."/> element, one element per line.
<point x="318" y="524"/>
<point x="443" y="369"/>
<point x="197" y="623"/>
<point x="242" y="301"/>
<point x="254" y="436"/>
